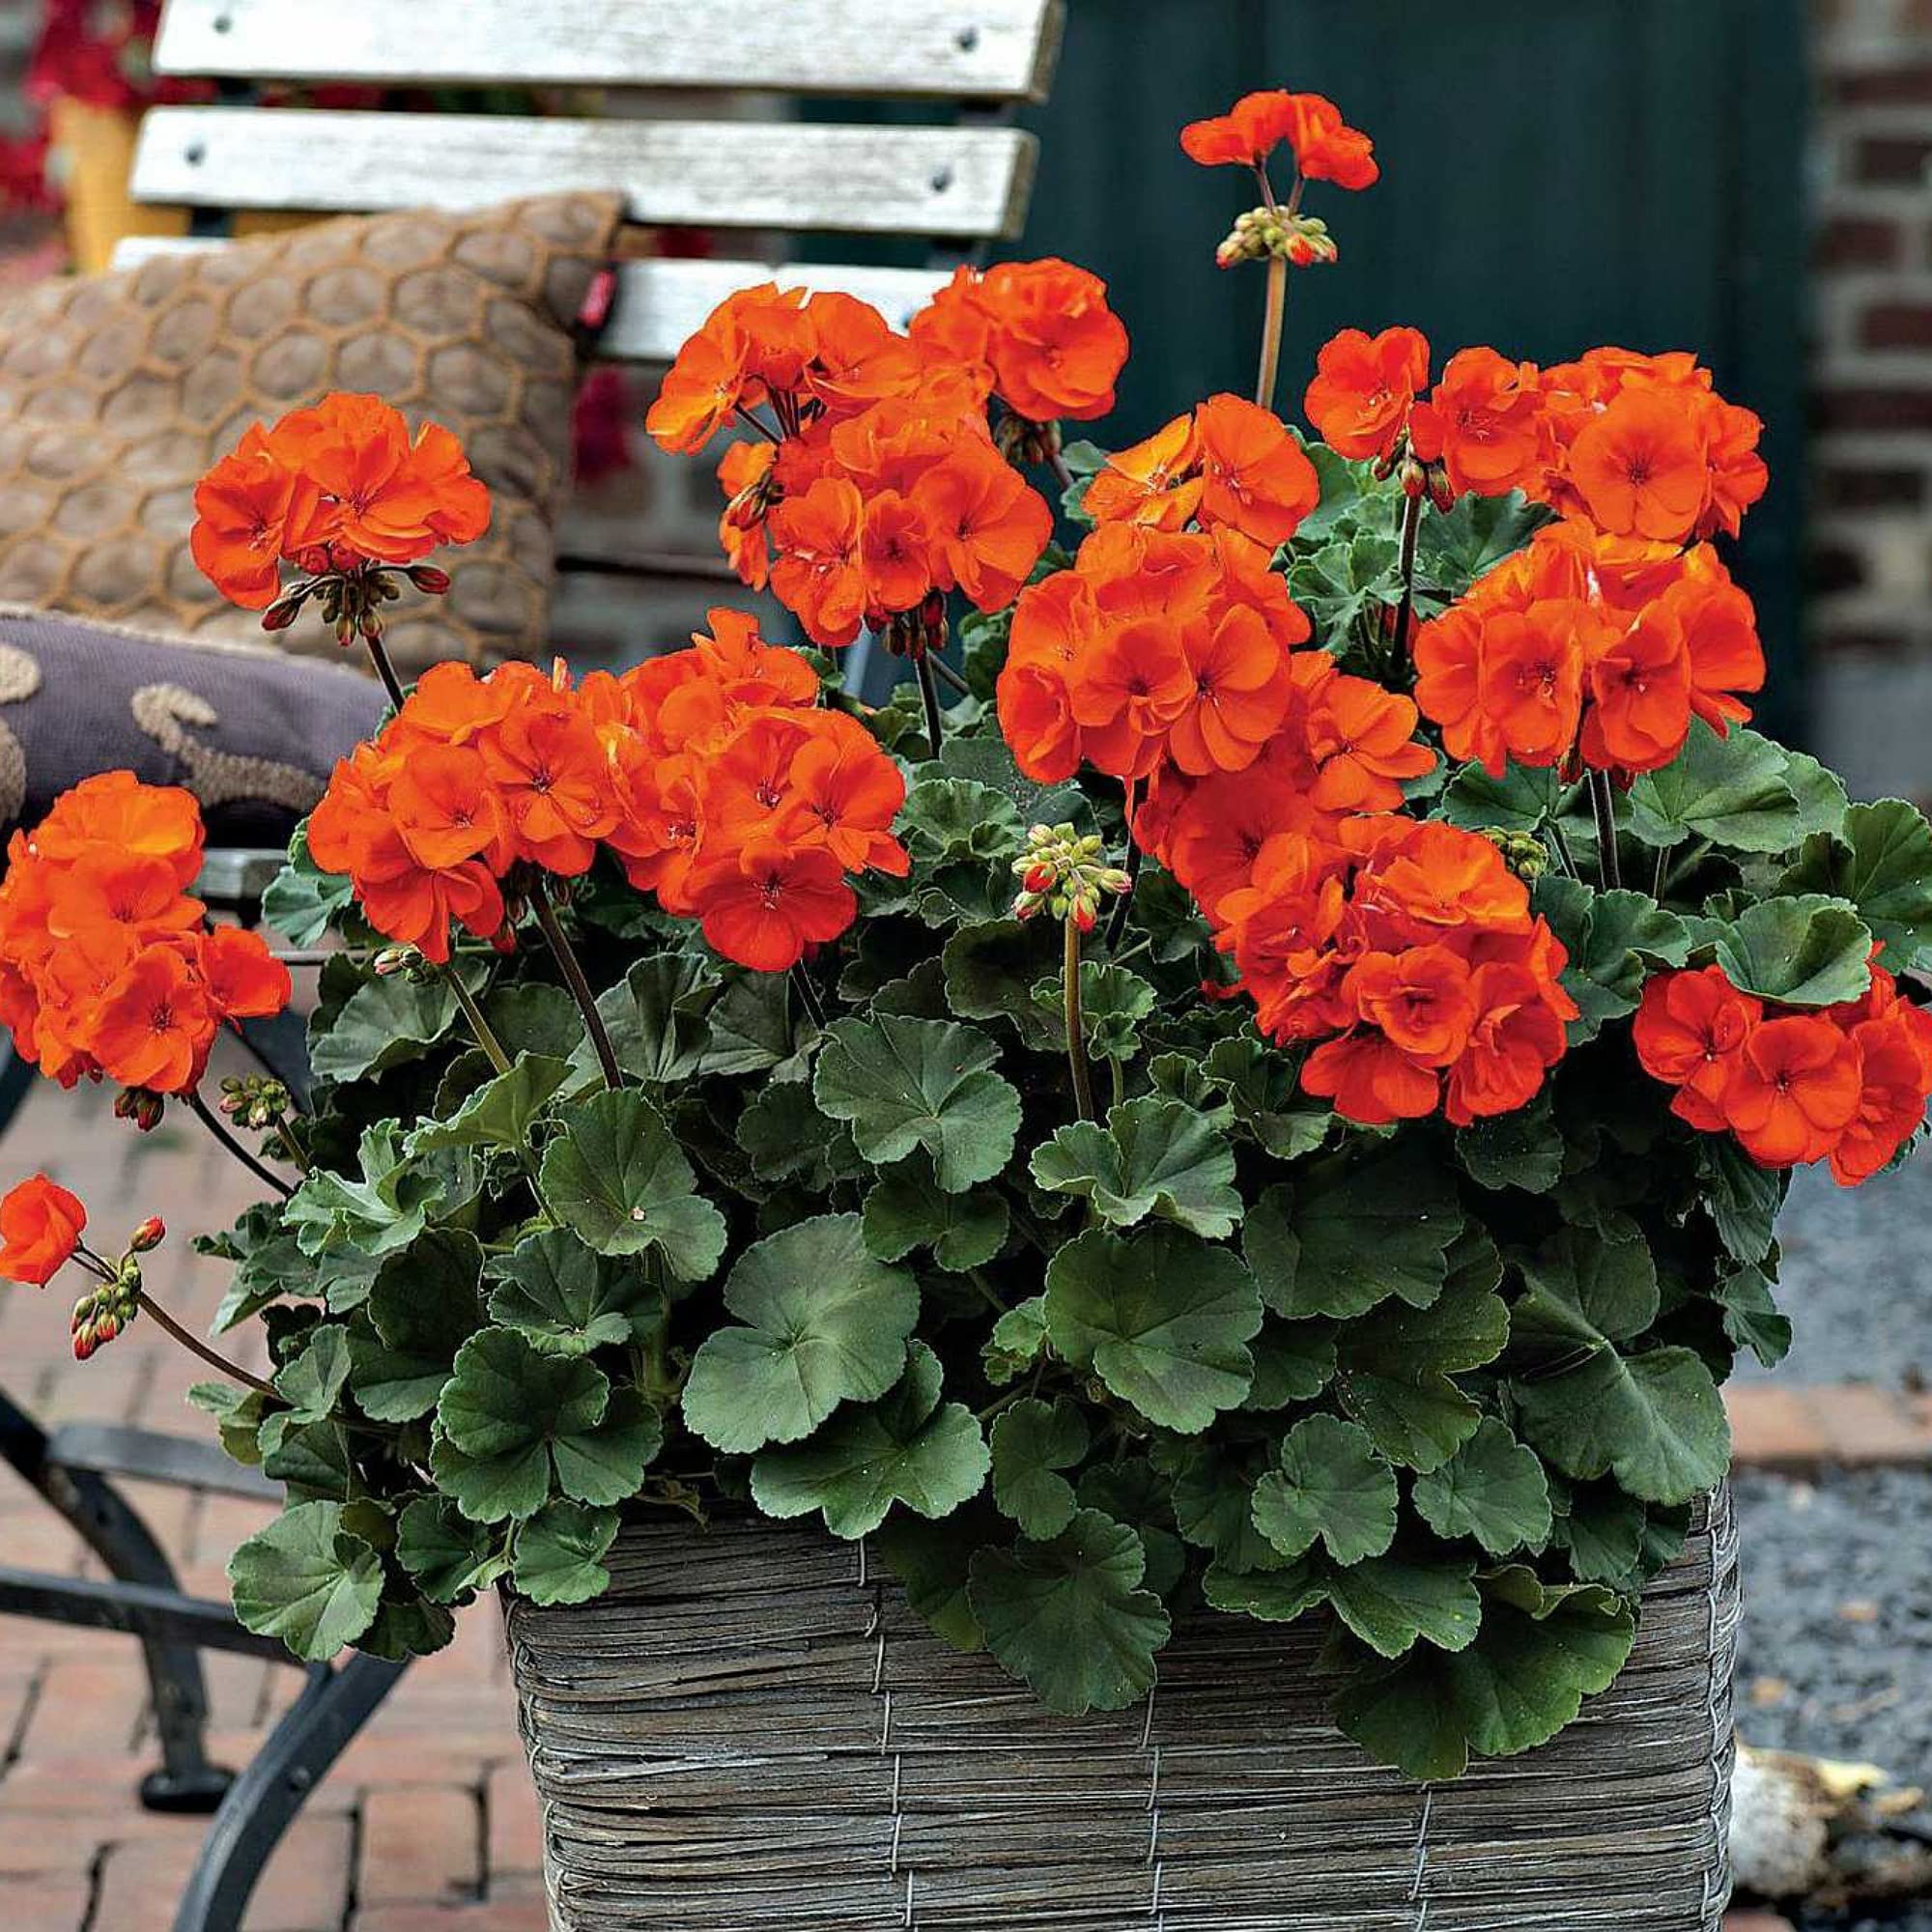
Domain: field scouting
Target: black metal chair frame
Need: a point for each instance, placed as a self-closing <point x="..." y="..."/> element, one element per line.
<point x="72" y="1468"/>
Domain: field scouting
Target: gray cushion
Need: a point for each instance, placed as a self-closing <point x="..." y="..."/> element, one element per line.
<point x="251" y="733"/>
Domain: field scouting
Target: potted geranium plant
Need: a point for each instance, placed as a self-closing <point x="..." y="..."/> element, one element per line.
<point x="1240" y="1124"/>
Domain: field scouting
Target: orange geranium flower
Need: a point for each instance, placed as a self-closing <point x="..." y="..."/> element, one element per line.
<point x="1640" y="696"/>
<point x="1325" y="147"/>
<point x="1641" y="467"/>
<point x="764" y="905"/>
<point x="1254" y="477"/>
<point x="820" y="572"/>
<point x="1482" y="422"/>
<point x="40" y="1226"/>
<point x="1794" y="1089"/>
<point x="244" y="510"/>
<point x="153" y="1026"/>
<point x="1364" y="387"/>
<point x="1241" y="686"/>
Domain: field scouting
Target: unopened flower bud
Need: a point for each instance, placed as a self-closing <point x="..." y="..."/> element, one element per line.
<point x="1414" y="478"/>
<point x="141" y="1106"/>
<point x="393" y="960"/>
<point x="280" y="615"/>
<point x="149" y="1235"/>
<point x="430" y="580"/>
<point x="1038" y="878"/>
<point x="1441" y="492"/>
<point x="1086" y="914"/>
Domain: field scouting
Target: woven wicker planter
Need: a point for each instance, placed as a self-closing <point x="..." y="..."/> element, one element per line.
<point x="751" y="1732"/>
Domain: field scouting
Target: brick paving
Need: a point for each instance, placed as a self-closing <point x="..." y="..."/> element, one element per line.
<point x="427" y="1822"/>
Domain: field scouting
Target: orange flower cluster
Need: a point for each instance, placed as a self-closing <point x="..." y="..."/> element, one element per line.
<point x="332" y="487"/>
<point x="107" y="966"/>
<point x="1847" y="1083"/>
<point x="1407" y="948"/>
<point x="1591" y="647"/>
<point x="1156" y="649"/>
<point x="885" y="489"/>
<point x="711" y="774"/>
<point x="40" y="1226"/>
<point x="1325" y="147"/>
<point x="1641" y="446"/>
<point x="1227" y="464"/>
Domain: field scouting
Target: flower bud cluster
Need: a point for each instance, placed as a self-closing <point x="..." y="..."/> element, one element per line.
<point x="1065" y="873"/>
<point x="348" y="591"/>
<point x="256" y="1101"/>
<point x="1524" y="852"/>
<point x="100" y="1315"/>
<point x="1302" y="241"/>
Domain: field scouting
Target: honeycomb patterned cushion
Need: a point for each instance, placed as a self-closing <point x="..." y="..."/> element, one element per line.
<point x="118" y="392"/>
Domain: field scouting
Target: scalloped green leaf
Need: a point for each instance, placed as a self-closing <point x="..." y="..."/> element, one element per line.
<point x="1880" y="860"/>
<point x="561" y="1552"/>
<point x="907" y="1448"/>
<point x="1033" y="1444"/>
<point x="656" y="1018"/>
<point x="1163" y="1318"/>
<point x="1017" y="1341"/>
<point x="1330" y="1483"/>
<point x="1732" y="790"/>
<point x="1154" y="1157"/>
<point x="1614" y="939"/>
<point x="305" y="1579"/>
<point x="907" y="1209"/>
<point x="386" y="1023"/>
<point x="1812" y="950"/>
<point x="904" y="1083"/>
<point x="1394" y="1601"/>
<point x="1493" y="1489"/>
<point x="566" y="1300"/>
<point x="502" y="1112"/>
<point x="1070" y="1617"/>
<point x="824" y="1323"/>
<point x="450" y="1557"/>
<point x="423" y="1307"/>
<point x="619" y="1181"/>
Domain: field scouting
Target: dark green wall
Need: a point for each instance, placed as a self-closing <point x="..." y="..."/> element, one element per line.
<point x="1556" y="174"/>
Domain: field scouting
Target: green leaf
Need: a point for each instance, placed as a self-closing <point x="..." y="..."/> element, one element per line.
<point x="307" y="1581"/>
<point x="1654" y="1419"/>
<point x="565" y="1300"/>
<point x="387" y="1023"/>
<point x="1032" y="1443"/>
<point x="1731" y="790"/>
<point x="826" y="1324"/>
<point x="352" y="1220"/>
<point x="1295" y="1362"/>
<point x="617" y="1179"/>
<point x="1355" y="1234"/>
<point x="993" y="968"/>
<point x="449" y="1556"/>
<point x="1270" y="1596"/>
<point x="1602" y="1530"/>
<point x="1017" y="1341"/>
<point x="656" y="1019"/>
<point x="756" y="1029"/>
<point x="904" y="1083"/>
<point x="1260" y="1083"/>
<point x="1330" y="1484"/>
<point x="1154" y="1157"/>
<point x="959" y="819"/>
<point x="1162" y="1318"/>
<point x="1880" y="860"/>
<point x="1751" y="1316"/>
<point x="1390" y="1602"/>
<point x="1068" y="1616"/>
<point x="788" y="1139"/>
<point x="930" y="1559"/>
<point x="1515" y="1687"/>
<point x="302" y="902"/>
<point x="907" y="1209"/>
<point x="1395" y="1367"/>
<point x="502" y="1112"/>
<point x="1113" y="1002"/>
<point x="1520" y="801"/>
<point x="561" y="1552"/>
<point x="311" y="1382"/>
<point x="1521" y="1149"/>
<point x="423" y="1307"/>
<point x="1492" y="1488"/>
<point x="518" y="1418"/>
<point x="1213" y="1489"/>
<point x="1812" y="950"/>
<point x="1740" y="1197"/>
<point x="908" y="1448"/>
<point x="1613" y="939"/>
<point x="543" y="1020"/>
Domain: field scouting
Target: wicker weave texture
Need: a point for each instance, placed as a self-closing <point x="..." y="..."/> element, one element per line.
<point x="751" y="1733"/>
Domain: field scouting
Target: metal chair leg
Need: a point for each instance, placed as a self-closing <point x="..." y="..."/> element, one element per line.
<point x="185" y="1780"/>
<point x="264" y="1800"/>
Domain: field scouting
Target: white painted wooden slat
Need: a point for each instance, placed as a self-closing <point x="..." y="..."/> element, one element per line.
<point x="660" y="303"/>
<point x="965" y="49"/>
<point x="940" y="181"/>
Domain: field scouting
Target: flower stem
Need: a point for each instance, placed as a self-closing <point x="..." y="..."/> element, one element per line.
<point x="948" y="676"/>
<point x="1117" y="922"/>
<point x="928" y="692"/>
<point x="1604" y="806"/>
<point x="213" y="1121"/>
<point x="579" y="987"/>
<point x="807" y="997"/>
<point x="1562" y="845"/>
<point x="1273" y="317"/>
<point x="1660" y="873"/>
<point x="167" y="1324"/>
<point x="379" y="656"/>
<point x="1076" y="1031"/>
<point x="485" y="1034"/>
<point x="1405" y="611"/>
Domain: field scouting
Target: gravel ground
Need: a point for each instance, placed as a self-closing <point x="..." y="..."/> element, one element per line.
<point x="1857" y="1280"/>
<point x="1837" y="1653"/>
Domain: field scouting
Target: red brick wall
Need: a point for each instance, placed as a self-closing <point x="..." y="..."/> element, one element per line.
<point x="1870" y="613"/>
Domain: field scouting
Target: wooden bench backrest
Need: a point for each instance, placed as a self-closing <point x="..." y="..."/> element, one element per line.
<point x="955" y="181"/>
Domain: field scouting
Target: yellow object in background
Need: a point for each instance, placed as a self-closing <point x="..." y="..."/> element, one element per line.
<point x="95" y="155"/>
